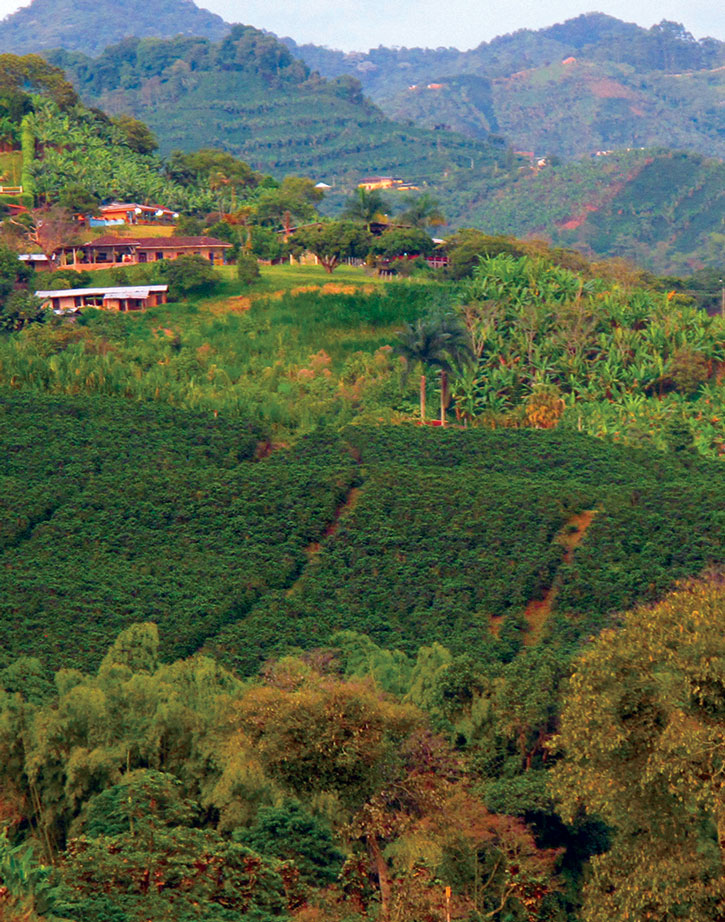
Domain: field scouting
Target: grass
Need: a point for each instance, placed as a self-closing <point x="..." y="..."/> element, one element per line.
<point x="296" y="347"/>
<point x="11" y="167"/>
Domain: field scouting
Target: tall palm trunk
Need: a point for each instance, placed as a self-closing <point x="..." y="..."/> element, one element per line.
<point x="444" y="396"/>
<point x="422" y="398"/>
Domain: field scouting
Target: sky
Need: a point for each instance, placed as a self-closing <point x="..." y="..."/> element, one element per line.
<point x="356" y="25"/>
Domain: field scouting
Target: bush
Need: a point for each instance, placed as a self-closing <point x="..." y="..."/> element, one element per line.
<point x="20" y="309"/>
<point x="189" y="275"/>
<point x="247" y="268"/>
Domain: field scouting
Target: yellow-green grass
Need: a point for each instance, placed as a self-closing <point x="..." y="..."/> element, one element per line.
<point x="11" y="168"/>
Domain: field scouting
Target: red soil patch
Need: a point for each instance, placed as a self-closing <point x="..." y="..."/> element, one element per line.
<point x="604" y="88"/>
<point x="538" y="610"/>
<point x="342" y="510"/>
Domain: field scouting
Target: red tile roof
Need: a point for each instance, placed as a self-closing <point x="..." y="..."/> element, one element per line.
<point x="158" y="243"/>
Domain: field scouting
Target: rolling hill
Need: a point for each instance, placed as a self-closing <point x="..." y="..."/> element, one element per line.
<point x="249" y="95"/>
<point x="590" y="83"/>
<point x="91" y="25"/>
<point x="659" y="208"/>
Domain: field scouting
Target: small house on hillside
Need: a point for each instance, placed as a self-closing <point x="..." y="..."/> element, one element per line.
<point x="132" y="213"/>
<point x="129" y="298"/>
<point x="386" y="182"/>
<point x="37" y="261"/>
<point x="130" y="251"/>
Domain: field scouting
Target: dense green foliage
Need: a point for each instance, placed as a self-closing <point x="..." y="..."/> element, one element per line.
<point x="549" y="340"/>
<point x="642" y="731"/>
<point x="658" y="209"/>
<point x="249" y="95"/>
<point x="180" y="790"/>
<point x="164" y="515"/>
<point x="662" y="209"/>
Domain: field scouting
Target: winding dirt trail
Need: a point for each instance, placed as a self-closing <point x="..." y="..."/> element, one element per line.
<point x="538" y="610"/>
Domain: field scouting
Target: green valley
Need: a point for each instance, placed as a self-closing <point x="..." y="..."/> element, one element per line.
<point x="362" y="544"/>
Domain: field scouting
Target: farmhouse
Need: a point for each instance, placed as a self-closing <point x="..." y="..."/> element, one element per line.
<point x="130" y="251"/>
<point x="133" y="213"/>
<point x="38" y="261"/>
<point x="128" y="298"/>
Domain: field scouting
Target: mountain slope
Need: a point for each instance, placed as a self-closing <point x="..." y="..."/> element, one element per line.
<point x="587" y="84"/>
<point x="661" y="209"/>
<point x="248" y="95"/>
<point x="91" y="25"/>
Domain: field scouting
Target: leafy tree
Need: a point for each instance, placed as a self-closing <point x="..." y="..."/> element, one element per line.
<point x="19" y="72"/>
<point x="79" y="200"/>
<point x="20" y="309"/>
<point x="332" y="241"/>
<point x="201" y="165"/>
<point x="642" y="733"/>
<point x="290" y="833"/>
<point x="188" y="226"/>
<point x="294" y="201"/>
<point x="401" y="241"/>
<point x="266" y="243"/>
<point x="189" y="274"/>
<point x="51" y="229"/>
<point x="247" y="268"/>
<point x="437" y="341"/>
<point x="138" y="135"/>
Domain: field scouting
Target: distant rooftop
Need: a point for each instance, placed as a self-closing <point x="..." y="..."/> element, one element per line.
<point x="134" y="291"/>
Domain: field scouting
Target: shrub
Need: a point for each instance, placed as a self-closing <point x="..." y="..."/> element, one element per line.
<point x="189" y="275"/>
<point x="247" y="268"/>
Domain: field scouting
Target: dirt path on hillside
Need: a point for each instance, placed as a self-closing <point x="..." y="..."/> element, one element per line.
<point x="538" y="610"/>
<point x="345" y="508"/>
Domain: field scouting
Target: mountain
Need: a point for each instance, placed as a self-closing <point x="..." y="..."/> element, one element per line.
<point x="249" y="95"/>
<point x="591" y="83"/>
<point x="91" y="25"/>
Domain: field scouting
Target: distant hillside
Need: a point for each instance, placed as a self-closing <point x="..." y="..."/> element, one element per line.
<point x="621" y="85"/>
<point x="248" y="95"/>
<point x="661" y="209"/>
<point x="91" y="25"/>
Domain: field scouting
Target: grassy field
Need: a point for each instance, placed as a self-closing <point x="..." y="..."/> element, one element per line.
<point x="11" y="166"/>
<point x="295" y="348"/>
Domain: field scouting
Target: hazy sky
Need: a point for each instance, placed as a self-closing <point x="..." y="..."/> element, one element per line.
<point x="361" y="24"/>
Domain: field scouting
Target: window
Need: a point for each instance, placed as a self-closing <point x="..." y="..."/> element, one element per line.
<point x="159" y="254"/>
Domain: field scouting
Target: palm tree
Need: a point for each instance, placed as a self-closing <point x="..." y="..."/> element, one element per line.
<point x="422" y="211"/>
<point x="365" y="206"/>
<point x="437" y="341"/>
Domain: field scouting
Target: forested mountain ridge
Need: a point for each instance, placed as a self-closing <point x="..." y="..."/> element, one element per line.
<point x="91" y="25"/>
<point x="590" y="83"/>
<point x="249" y="95"/>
